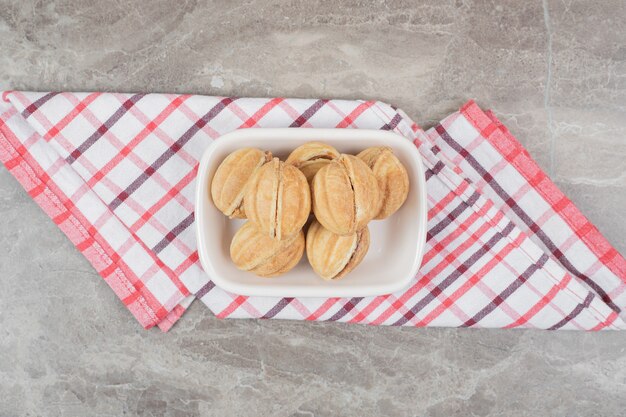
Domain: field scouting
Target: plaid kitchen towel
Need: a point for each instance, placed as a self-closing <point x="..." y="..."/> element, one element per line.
<point x="505" y="248"/>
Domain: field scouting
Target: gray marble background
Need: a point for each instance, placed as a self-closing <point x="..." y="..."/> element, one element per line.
<point x="555" y="73"/>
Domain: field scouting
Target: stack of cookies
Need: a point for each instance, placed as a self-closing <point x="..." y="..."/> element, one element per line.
<point x="343" y="193"/>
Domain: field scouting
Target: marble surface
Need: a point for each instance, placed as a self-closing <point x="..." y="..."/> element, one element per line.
<point x="554" y="71"/>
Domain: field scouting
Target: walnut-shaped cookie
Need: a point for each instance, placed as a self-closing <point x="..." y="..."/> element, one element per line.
<point x="311" y="157"/>
<point x="278" y="200"/>
<point x="392" y="178"/>
<point x="232" y="176"/>
<point x="333" y="256"/>
<point x="345" y="195"/>
<point x="254" y="251"/>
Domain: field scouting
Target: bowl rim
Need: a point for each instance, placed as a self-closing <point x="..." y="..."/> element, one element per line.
<point x="319" y="134"/>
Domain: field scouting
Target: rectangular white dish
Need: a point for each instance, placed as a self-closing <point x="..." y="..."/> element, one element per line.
<point x="397" y="243"/>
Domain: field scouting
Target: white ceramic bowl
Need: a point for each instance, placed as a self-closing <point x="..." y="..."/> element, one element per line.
<point x="397" y="242"/>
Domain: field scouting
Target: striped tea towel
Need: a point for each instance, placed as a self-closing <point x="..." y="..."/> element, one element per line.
<point x="505" y="248"/>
